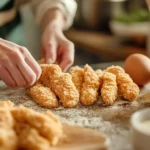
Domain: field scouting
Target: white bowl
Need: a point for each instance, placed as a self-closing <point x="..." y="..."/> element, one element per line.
<point x="141" y="132"/>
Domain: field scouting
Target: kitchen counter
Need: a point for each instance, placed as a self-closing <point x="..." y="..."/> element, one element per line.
<point x="102" y="45"/>
<point x="114" y="120"/>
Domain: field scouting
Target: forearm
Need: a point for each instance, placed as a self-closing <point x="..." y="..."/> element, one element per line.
<point x="54" y="18"/>
<point x="66" y="7"/>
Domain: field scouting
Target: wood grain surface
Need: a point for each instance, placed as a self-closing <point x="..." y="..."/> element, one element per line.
<point x="79" y="138"/>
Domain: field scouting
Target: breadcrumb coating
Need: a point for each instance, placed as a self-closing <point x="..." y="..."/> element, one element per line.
<point x="44" y="79"/>
<point x="8" y="139"/>
<point x="49" y="70"/>
<point x="109" y="90"/>
<point x="6" y="104"/>
<point x="52" y="70"/>
<point x="62" y="85"/>
<point x="65" y="90"/>
<point x="99" y="73"/>
<point x="23" y="128"/>
<point x="7" y="134"/>
<point x="44" y="96"/>
<point x="82" y="84"/>
<point x="77" y="74"/>
<point x="89" y="91"/>
<point x="127" y="87"/>
<point x="46" y="126"/>
<point x="6" y="120"/>
<point x="115" y="69"/>
<point x="30" y="138"/>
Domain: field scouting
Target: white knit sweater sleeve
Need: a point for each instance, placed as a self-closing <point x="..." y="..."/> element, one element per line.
<point x="67" y="7"/>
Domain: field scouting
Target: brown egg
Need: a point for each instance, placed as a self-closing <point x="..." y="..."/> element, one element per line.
<point x="138" y="67"/>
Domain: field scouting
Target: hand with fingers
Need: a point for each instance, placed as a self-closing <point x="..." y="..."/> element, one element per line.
<point x="55" y="47"/>
<point x="17" y="66"/>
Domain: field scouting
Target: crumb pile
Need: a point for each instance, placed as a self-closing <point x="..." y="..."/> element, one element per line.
<point x="82" y="85"/>
<point x="23" y="128"/>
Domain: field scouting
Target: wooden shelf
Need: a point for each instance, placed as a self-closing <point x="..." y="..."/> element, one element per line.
<point x="103" y="45"/>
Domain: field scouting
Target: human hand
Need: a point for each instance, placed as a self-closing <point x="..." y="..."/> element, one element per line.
<point x="17" y="66"/>
<point x="55" y="46"/>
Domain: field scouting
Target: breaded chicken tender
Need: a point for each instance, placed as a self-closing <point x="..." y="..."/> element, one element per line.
<point x="62" y="85"/>
<point x="29" y="138"/>
<point x="77" y="74"/>
<point x="8" y="138"/>
<point x="53" y="70"/>
<point x="44" y="79"/>
<point x="89" y="91"/>
<point x="46" y="126"/>
<point x="47" y="71"/>
<point x="65" y="90"/>
<point x="126" y="86"/>
<point x="99" y="73"/>
<point x="109" y="90"/>
<point x="44" y="96"/>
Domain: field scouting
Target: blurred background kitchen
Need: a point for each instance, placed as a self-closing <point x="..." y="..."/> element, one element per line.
<point x="103" y="30"/>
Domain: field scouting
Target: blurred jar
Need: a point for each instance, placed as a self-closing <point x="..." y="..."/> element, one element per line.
<point x="96" y="14"/>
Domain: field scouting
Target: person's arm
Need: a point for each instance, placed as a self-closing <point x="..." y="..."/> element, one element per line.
<point x="67" y="8"/>
<point x="57" y="17"/>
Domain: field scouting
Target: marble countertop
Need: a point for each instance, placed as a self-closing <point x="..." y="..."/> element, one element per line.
<point x="114" y="120"/>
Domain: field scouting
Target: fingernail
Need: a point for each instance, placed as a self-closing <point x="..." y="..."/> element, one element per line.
<point x="50" y="60"/>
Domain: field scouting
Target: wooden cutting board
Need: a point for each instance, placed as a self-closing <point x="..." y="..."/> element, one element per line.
<point x="79" y="138"/>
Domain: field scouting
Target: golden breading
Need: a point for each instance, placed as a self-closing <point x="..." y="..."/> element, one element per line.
<point x="123" y="78"/>
<point x="53" y="70"/>
<point x="29" y="138"/>
<point x="62" y="85"/>
<point x="65" y="90"/>
<point x="6" y="120"/>
<point x="46" y="126"/>
<point x="89" y="91"/>
<point x="44" y="96"/>
<point x="8" y="138"/>
<point x="47" y="71"/>
<point x="44" y="79"/>
<point x="109" y="90"/>
<point x="99" y="73"/>
<point x="126" y="86"/>
<point x="115" y="69"/>
<point x="6" y="104"/>
<point x="77" y="74"/>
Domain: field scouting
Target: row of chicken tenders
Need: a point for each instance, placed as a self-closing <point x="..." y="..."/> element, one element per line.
<point x="83" y="85"/>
